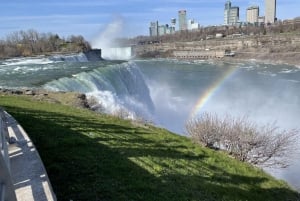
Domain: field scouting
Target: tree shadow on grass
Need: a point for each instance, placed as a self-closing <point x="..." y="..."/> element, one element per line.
<point x="94" y="159"/>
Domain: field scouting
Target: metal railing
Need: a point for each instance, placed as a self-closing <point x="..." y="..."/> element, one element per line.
<point x="7" y="191"/>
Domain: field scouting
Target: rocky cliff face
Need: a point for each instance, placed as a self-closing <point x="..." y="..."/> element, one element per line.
<point x="93" y="55"/>
<point x="256" y="47"/>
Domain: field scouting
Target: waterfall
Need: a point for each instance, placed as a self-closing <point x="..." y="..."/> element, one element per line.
<point x="113" y="89"/>
<point x="81" y="57"/>
<point x="117" y="53"/>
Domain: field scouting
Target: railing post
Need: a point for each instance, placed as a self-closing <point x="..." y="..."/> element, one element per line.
<point x="7" y="190"/>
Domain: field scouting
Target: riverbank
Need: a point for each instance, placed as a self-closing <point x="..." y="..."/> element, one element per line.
<point x="73" y="99"/>
<point x="261" y="56"/>
<point x="100" y="157"/>
<point x="276" y="49"/>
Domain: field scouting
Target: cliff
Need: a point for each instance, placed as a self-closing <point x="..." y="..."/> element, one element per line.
<point x="275" y="48"/>
<point x="93" y="55"/>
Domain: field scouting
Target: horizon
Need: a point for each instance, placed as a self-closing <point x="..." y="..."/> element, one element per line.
<point x="90" y="18"/>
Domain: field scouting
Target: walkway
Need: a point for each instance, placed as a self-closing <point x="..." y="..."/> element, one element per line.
<point x="27" y="170"/>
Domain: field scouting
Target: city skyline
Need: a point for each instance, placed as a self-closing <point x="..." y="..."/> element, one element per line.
<point x="91" y="17"/>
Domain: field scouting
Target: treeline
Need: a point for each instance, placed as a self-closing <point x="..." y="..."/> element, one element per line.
<point x="31" y="42"/>
<point x="209" y="32"/>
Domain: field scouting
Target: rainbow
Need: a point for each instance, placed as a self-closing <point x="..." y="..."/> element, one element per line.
<point x="208" y="93"/>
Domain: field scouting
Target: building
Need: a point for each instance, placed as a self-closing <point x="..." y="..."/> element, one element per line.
<point x="231" y="14"/>
<point x="153" y="29"/>
<point x="261" y="20"/>
<point x="270" y="11"/>
<point x="192" y="25"/>
<point x="226" y="12"/>
<point x="252" y="14"/>
<point x="159" y="30"/>
<point x="182" y="20"/>
<point x="162" y="30"/>
<point x="173" y="25"/>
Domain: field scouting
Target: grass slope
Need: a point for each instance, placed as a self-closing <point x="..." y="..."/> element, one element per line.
<point x="91" y="156"/>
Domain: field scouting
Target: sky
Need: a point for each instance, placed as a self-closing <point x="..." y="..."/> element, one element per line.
<point x="91" y="17"/>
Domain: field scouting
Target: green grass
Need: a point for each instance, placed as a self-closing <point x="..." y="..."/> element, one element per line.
<point x="90" y="156"/>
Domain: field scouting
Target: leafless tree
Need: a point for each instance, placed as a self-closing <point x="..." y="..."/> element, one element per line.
<point x="246" y="141"/>
<point x="30" y="43"/>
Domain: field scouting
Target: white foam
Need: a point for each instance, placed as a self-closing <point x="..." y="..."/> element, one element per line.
<point x="26" y="61"/>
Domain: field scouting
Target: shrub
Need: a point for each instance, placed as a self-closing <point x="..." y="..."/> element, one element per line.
<point x="266" y="145"/>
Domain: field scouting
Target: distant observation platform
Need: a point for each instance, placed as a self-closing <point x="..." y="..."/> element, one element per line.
<point x="22" y="174"/>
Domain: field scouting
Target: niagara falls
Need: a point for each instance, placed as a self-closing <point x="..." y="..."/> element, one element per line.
<point x="170" y="92"/>
<point x="150" y="100"/>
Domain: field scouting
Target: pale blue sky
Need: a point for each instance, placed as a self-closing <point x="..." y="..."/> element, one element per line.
<point x="90" y="17"/>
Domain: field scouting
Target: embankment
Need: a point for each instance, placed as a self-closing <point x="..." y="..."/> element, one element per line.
<point x="91" y="156"/>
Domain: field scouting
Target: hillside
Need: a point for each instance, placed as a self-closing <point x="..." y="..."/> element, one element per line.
<point x="91" y="156"/>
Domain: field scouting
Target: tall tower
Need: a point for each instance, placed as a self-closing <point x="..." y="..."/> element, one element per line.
<point x="153" y="29"/>
<point x="270" y="13"/>
<point x="227" y="12"/>
<point x="182" y="20"/>
<point x="231" y="14"/>
<point x="173" y="24"/>
<point x="252" y="14"/>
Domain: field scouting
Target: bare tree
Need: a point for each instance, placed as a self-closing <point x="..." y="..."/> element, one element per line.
<point x="29" y="43"/>
<point x="246" y="141"/>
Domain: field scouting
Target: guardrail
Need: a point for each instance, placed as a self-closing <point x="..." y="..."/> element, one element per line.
<point x="7" y="191"/>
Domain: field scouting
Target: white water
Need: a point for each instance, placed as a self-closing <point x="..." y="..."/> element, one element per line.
<point x="70" y="58"/>
<point x="115" y="89"/>
<point x="26" y="61"/>
<point x="117" y="53"/>
<point x="32" y="72"/>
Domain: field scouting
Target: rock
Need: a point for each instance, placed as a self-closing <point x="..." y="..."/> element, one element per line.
<point x="93" y="55"/>
<point x="29" y="92"/>
<point x="17" y="92"/>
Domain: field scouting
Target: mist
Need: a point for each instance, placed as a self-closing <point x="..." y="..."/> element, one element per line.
<point x="265" y="94"/>
<point x="105" y="40"/>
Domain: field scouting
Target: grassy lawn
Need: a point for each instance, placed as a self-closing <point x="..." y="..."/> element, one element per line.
<point x="91" y="156"/>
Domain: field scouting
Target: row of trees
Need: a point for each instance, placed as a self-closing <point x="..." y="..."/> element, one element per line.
<point x="259" y="145"/>
<point x="29" y="43"/>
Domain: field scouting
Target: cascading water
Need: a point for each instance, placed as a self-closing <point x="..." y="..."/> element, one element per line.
<point x="113" y="89"/>
<point x="70" y="58"/>
<point x="118" y="53"/>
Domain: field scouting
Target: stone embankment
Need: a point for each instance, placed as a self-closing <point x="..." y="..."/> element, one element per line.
<point x="276" y="48"/>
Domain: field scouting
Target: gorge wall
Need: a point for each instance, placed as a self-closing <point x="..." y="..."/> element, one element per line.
<point x="265" y="47"/>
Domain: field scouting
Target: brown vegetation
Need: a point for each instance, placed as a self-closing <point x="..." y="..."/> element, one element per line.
<point x="30" y="43"/>
<point x="259" y="145"/>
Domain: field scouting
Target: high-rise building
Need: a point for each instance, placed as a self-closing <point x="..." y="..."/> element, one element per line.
<point x="182" y="20"/>
<point x="231" y="14"/>
<point x="173" y="25"/>
<point x="153" y="29"/>
<point x="261" y="20"/>
<point x="173" y="22"/>
<point x="227" y="12"/>
<point x="159" y="30"/>
<point x="252" y="14"/>
<point x="270" y="12"/>
<point x="162" y="29"/>
<point x="192" y="25"/>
